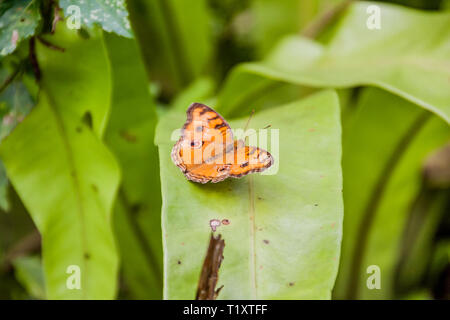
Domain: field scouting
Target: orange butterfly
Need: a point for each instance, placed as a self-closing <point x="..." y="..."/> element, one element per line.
<point x="207" y="152"/>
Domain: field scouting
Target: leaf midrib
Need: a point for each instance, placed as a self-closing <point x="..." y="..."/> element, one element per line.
<point x="76" y="185"/>
<point x="252" y="233"/>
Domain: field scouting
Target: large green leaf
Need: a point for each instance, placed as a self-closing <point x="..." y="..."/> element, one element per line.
<point x="63" y="173"/>
<point x="130" y="135"/>
<point x="409" y="56"/>
<point x="284" y="235"/>
<point x="18" y="21"/>
<point x="111" y="15"/>
<point x="384" y="150"/>
<point x="88" y="85"/>
<point x="174" y="36"/>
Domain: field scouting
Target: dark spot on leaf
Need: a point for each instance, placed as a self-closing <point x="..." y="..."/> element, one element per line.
<point x="259" y="198"/>
<point x="226" y="222"/>
<point x="94" y="187"/>
<point x="79" y="129"/>
<point x="87" y="119"/>
<point x="179" y="262"/>
<point x="87" y="256"/>
<point x="135" y="208"/>
<point x="315" y="204"/>
<point x="266" y="241"/>
<point x="83" y="33"/>
<point x="291" y="284"/>
<point x="128" y="136"/>
<point x="22" y="20"/>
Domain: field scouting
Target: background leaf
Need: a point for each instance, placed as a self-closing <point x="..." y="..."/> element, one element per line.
<point x="357" y="55"/>
<point x="111" y="15"/>
<point x="18" y="21"/>
<point x="15" y="103"/>
<point x="174" y="36"/>
<point x="130" y="135"/>
<point x="291" y="218"/>
<point x="392" y="137"/>
<point x="61" y="170"/>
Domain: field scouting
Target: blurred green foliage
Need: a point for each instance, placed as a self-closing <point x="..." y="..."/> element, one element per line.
<point x="85" y="137"/>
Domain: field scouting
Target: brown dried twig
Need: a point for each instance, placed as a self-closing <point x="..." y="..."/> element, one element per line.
<point x="56" y="17"/>
<point x="210" y="271"/>
<point x="33" y="59"/>
<point x="313" y="29"/>
<point x="28" y="244"/>
<point x="50" y="45"/>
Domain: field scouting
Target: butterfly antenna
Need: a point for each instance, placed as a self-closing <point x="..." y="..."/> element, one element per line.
<point x="248" y="121"/>
<point x="266" y="127"/>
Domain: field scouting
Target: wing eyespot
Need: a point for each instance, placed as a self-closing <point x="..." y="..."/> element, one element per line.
<point x="196" y="144"/>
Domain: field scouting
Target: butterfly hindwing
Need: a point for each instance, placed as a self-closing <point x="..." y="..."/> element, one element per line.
<point x="248" y="159"/>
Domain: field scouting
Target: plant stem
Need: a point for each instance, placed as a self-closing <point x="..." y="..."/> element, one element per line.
<point x="375" y="200"/>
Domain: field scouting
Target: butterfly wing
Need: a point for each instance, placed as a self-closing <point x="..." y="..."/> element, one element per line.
<point x="249" y="159"/>
<point x="205" y="136"/>
<point x="204" y="173"/>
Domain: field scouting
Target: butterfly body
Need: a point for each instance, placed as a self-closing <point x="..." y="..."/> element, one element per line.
<point x="207" y="152"/>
